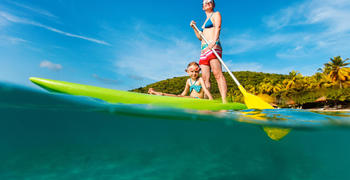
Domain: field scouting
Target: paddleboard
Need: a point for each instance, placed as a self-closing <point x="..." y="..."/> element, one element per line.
<point x="126" y="97"/>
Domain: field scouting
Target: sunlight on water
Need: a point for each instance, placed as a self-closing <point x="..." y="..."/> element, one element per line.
<point x="50" y="136"/>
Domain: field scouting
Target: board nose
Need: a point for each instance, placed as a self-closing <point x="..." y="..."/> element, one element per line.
<point x="34" y="80"/>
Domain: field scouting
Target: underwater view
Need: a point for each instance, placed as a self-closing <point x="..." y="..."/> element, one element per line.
<point x="55" y="136"/>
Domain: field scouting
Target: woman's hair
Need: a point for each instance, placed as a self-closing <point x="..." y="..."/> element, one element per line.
<point x="191" y="64"/>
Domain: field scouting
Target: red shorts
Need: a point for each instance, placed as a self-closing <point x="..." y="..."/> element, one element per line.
<point x="209" y="55"/>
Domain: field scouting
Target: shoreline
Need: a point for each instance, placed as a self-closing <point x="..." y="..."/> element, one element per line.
<point x="328" y="110"/>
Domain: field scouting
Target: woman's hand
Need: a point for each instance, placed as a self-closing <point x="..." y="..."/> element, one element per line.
<point x="192" y="24"/>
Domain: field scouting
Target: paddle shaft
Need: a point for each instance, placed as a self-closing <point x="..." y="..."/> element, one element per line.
<point x="216" y="54"/>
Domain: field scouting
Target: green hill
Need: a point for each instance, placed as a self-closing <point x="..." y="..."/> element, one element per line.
<point x="248" y="79"/>
<point x="284" y="90"/>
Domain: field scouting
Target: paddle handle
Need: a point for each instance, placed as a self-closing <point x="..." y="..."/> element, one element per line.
<point x="216" y="54"/>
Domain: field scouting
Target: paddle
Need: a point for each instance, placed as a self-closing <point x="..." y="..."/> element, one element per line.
<point x="252" y="101"/>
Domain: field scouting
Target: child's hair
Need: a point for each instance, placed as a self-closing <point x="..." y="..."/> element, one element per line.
<point x="193" y="63"/>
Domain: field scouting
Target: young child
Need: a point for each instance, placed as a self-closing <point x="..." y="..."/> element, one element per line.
<point x="194" y="85"/>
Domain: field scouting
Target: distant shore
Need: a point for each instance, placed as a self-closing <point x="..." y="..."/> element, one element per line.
<point x="329" y="110"/>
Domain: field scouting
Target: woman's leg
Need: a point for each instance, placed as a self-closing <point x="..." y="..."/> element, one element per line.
<point x="206" y="77"/>
<point x="220" y="78"/>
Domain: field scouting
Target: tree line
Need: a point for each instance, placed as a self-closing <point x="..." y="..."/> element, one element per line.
<point x="330" y="82"/>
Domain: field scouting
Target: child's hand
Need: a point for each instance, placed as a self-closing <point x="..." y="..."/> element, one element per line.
<point x="151" y="91"/>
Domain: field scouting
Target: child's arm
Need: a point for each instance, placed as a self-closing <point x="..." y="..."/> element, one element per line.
<point x="187" y="88"/>
<point x="206" y="91"/>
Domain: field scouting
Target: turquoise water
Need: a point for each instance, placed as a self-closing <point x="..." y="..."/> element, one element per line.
<point x="51" y="136"/>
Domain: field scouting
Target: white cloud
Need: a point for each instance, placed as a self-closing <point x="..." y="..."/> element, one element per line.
<point x="257" y="67"/>
<point x="298" y="48"/>
<point x="34" y="9"/>
<point x="243" y="66"/>
<point x="328" y="29"/>
<point x="308" y="30"/>
<point x="156" y="62"/>
<point x="284" y="18"/>
<point x="290" y="16"/>
<point x="105" y="80"/>
<point x="15" y="19"/>
<point x="240" y="44"/>
<point x="13" y="40"/>
<point x="3" y="22"/>
<point x="6" y="40"/>
<point x="49" y="65"/>
<point x="247" y="42"/>
<point x="155" y="59"/>
<point x="334" y="15"/>
<point x="270" y="68"/>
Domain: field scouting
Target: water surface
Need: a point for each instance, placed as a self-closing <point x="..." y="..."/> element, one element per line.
<point x="52" y="136"/>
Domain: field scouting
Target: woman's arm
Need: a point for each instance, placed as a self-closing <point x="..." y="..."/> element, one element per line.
<point x="217" y="29"/>
<point x="195" y="31"/>
<point x="187" y="87"/>
<point x="206" y="91"/>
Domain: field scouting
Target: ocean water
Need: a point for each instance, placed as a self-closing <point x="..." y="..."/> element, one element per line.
<point x="53" y="136"/>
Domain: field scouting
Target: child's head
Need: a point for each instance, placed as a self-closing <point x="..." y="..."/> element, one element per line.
<point x="192" y="66"/>
<point x="193" y="69"/>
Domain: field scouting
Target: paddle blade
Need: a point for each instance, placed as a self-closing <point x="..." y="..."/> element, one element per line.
<point x="276" y="133"/>
<point x="254" y="102"/>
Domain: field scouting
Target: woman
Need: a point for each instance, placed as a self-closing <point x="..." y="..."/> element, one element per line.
<point x="208" y="61"/>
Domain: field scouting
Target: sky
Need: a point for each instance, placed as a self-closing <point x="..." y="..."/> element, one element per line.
<point x="129" y="44"/>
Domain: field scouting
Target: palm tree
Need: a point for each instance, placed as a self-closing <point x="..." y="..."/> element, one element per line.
<point x="270" y="86"/>
<point x="292" y="79"/>
<point x="311" y="83"/>
<point x="276" y="86"/>
<point x="252" y="89"/>
<point x="337" y="70"/>
<point x="263" y="87"/>
<point x="321" y="80"/>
